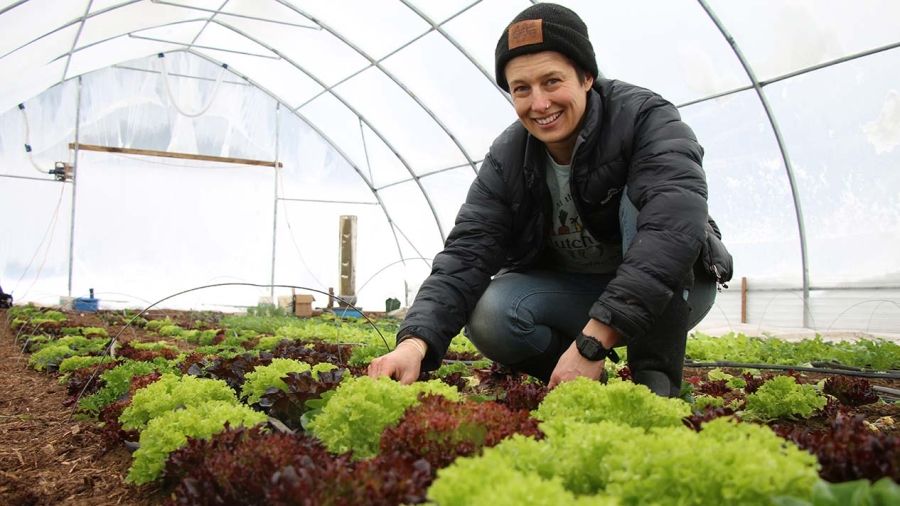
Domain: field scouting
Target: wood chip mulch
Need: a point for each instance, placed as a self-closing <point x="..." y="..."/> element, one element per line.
<point x="46" y="455"/>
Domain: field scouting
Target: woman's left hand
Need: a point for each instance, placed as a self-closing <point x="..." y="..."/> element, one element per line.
<point x="572" y="365"/>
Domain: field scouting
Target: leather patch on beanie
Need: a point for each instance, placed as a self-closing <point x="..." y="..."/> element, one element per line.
<point x="523" y="33"/>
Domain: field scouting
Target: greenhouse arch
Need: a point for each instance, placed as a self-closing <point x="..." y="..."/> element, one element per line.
<point x="384" y="110"/>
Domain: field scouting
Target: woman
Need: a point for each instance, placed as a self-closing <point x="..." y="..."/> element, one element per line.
<point x="581" y="231"/>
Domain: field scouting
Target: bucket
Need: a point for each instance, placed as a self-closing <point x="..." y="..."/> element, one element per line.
<point x="347" y="312"/>
<point x="86" y="304"/>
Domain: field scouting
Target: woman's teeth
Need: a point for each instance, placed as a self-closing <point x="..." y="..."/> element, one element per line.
<point x="547" y="120"/>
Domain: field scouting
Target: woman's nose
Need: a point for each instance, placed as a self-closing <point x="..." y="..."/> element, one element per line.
<point x="540" y="103"/>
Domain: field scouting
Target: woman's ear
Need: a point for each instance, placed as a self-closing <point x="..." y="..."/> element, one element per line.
<point x="588" y="82"/>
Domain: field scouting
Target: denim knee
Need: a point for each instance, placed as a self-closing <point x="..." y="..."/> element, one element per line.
<point x="500" y="328"/>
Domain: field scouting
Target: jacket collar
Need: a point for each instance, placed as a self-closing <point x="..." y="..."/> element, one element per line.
<point x="590" y="125"/>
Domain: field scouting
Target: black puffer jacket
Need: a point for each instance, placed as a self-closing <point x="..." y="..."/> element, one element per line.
<point x="629" y="136"/>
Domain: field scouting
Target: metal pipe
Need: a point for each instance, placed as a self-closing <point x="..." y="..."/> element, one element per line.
<point x="826" y="289"/>
<point x="11" y="6"/>
<point x="192" y="45"/>
<point x="232" y="14"/>
<point x="275" y="202"/>
<point x="353" y="110"/>
<point x="63" y="27"/>
<point x="74" y="183"/>
<point x="186" y="76"/>
<point x="87" y="10"/>
<point x="326" y="138"/>
<point x="32" y="178"/>
<point x="322" y="201"/>
<point x="784" y="154"/>
<point x="805" y="70"/>
<point x="411" y="95"/>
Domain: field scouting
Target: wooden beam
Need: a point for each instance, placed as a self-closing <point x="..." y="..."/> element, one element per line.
<point x="171" y="154"/>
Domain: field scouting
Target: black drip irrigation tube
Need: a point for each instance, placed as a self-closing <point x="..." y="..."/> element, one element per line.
<point x="886" y="393"/>
<point x="835" y="369"/>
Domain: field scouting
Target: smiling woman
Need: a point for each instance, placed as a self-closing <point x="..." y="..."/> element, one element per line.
<point x="549" y="94"/>
<point x="616" y="163"/>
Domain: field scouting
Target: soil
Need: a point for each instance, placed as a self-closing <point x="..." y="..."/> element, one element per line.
<point x="46" y="456"/>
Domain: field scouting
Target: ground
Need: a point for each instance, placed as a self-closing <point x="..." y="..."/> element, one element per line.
<point x="47" y="457"/>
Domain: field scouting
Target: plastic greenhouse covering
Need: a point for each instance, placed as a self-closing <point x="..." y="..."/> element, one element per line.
<point x="384" y="109"/>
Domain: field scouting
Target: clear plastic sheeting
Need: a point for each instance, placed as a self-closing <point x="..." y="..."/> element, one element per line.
<point x="396" y="115"/>
<point x="447" y="189"/>
<point x="152" y="227"/>
<point x="35" y="245"/>
<point x="801" y="34"/>
<point x="385" y="110"/>
<point x="412" y="216"/>
<point x="477" y="122"/>
<point x="843" y="128"/>
<point x="309" y="245"/>
<point x="127" y="108"/>
<point x="50" y="126"/>
<point x="644" y="42"/>
<point x="312" y="170"/>
<point x="749" y="193"/>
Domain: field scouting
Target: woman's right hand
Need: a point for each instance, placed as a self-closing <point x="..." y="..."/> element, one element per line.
<point x="403" y="364"/>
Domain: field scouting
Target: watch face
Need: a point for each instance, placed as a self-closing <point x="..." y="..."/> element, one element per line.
<point x="589" y="348"/>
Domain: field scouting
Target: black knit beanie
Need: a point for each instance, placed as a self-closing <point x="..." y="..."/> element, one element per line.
<point x="545" y="27"/>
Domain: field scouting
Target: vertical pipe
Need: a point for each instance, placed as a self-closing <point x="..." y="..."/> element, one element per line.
<point x="275" y="203"/>
<point x="795" y="193"/>
<point x="74" y="182"/>
<point x="744" y="300"/>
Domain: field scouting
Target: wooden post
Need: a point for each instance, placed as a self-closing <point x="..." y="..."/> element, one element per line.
<point x="743" y="300"/>
<point x="348" y="259"/>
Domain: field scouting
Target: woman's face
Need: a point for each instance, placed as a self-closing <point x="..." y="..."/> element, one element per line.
<point x="549" y="99"/>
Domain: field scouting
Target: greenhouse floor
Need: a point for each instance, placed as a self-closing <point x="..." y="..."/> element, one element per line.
<point x="46" y="457"/>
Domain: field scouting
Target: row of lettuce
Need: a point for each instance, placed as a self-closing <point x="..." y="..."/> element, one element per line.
<point x="305" y="420"/>
<point x="264" y="332"/>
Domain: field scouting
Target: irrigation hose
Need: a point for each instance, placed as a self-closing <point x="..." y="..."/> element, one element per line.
<point x="182" y="111"/>
<point x="28" y="149"/>
<point x="886" y="392"/>
<point x="824" y="370"/>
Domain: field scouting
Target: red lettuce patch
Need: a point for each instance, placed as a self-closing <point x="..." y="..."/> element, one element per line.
<point x="439" y="430"/>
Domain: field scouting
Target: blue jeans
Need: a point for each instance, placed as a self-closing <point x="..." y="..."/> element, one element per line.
<point x="526" y="320"/>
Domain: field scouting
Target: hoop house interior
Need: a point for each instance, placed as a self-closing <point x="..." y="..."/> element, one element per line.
<point x="384" y="109"/>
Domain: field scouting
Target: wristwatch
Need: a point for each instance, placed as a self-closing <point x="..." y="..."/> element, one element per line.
<point x="591" y="349"/>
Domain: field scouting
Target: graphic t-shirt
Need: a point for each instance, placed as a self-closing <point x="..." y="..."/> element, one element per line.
<point x="572" y="247"/>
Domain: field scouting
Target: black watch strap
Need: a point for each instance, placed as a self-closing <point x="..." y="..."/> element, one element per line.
<point x="591" y="349"/>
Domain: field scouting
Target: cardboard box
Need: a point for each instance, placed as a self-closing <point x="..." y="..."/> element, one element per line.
<point x="303" y="305"/>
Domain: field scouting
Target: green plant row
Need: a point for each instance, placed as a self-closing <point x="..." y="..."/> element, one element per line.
<point x="877" y="354"/>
